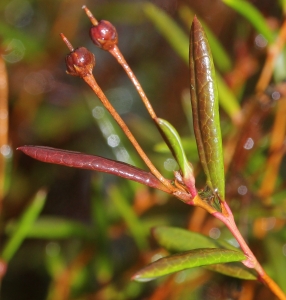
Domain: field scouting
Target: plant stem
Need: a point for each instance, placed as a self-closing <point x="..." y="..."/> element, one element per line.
<point x="121" y="60"/>
<point x="90" y="80"/>
<point x="273" y="51"/>
<point x="251" y="261"/>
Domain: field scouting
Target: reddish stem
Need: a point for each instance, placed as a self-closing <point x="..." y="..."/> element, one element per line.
<point x="251" y="261"/>
<point x="67" y="42"/>
<point x="90" y="15"/>
<point x="121" y="60"/>
<point x="90" y="80"/>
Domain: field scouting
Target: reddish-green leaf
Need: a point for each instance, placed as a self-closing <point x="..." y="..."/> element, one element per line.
<point x="91" y="162"/>
<point x="186" y="260"/>
<point x="204" y="98"/>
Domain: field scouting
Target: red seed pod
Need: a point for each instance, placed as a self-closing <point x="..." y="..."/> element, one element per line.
<point x="104" y="35"/>
<point x="80" y="62"/>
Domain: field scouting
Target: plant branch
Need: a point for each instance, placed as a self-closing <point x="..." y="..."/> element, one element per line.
<point x="90" y="80"/>
<point x="115" y="51"/>
<point x="251" y="261"/>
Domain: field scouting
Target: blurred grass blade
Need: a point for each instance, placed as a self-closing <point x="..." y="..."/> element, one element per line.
<point x="168" y="28"/>
<point x="179" y="240"/>
<point x="24" y="225"/>
<point x="220" y="56"/>
<point x="186" y="260"/>
<point x="273" y="246"/>
<point x="204" y="99"/>
<point x="137" y="230"/>
<point x="53" y="228"/>
<point x="173" y="140"/>
<point x="180" y="43"/>
<point x="257" y="20"/>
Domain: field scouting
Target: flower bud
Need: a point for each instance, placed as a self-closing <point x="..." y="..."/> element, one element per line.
<point x="104" y="35"/>
<point x="80" y="62"/>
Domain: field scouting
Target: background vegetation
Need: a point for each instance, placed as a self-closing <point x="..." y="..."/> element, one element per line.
<point x="75" y="234"/>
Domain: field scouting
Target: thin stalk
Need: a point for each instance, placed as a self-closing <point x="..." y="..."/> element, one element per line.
<point x="121" y="60"/>
<point x="90" y="80"/>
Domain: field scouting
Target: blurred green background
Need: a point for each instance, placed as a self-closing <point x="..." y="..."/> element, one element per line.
<point x="74" y="234"/>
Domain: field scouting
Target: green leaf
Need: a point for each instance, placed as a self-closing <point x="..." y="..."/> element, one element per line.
<point x="173" y="140"/>
<point x="178" y="40"/>
<point x="53" y="228"/>
<point x="24" y="225"/>
<point x="233" y="269"/>
<point x="247" y="10"/>
<point x="178" y="240"/>
<point x="186" y="260"/>
<point x="204" y="99"/>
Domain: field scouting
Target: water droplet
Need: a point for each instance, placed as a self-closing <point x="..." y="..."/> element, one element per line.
<point x="98" y="112"/>
<point x="170" y="164"/>
<point x="16" y="51"/>
<point x="214" y="233"/>
<point x="260" y="41"/>
<point x="275" y="95"/>
<point x="242" y="190"/>
<point x="6" y="151"/>
<point x="248" y="144"/>
<point x="113" y="140"/>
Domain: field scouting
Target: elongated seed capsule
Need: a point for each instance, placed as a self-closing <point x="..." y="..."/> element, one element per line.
<point x="204" y="98"/>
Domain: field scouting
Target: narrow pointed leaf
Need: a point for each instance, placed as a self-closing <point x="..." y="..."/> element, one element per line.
<point x="91" y="162"/>
<point x="178" y="40"/>
<point x="53" y="228"/>
<point x="178" y="240"/>
<point x="23" y="227"/>
<point x="221" y="58"/>
<point x="253" y="16"/>
<point x="186" y="260"/>
<point x="173" y="140"/>
<point x="204" y="98"/>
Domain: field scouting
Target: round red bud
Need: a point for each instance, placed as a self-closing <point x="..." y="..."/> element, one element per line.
<point x="104" y="35"/>
<point x="80" y="62"/>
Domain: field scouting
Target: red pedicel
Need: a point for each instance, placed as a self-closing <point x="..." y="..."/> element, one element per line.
<point x="104" y="35"/>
